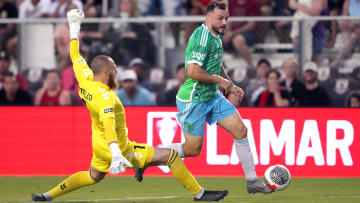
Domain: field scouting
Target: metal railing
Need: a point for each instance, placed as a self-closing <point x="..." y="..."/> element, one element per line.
<point x="161" y="23"/>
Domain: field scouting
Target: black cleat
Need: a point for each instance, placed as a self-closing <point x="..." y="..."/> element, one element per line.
<point x="38" y="197"/>
<point x="139" y="173"/>
<point x="212" y="196"/>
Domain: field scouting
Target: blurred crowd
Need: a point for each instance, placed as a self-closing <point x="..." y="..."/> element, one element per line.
<point x="323" y="81"/>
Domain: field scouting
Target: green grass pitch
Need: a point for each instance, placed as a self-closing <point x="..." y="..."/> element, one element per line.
<point x="167" y="189"/>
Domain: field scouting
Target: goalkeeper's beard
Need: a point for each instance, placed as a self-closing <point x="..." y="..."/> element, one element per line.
<point x="113" y="84"/>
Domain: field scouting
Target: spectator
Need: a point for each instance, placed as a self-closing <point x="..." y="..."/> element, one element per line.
<point x="160" y="7"/>
<point x="130" y="40"/>
<point x="52" y="94"/>
<point x="258" y="84"/>
<point x="11" y="94"/>
<point x="164" y="8"/>
<point x="241" y="35"/>
<point x="8" y="31"/>
<point x="314" y="32"/>
<point x="353" y="100"/>
<point x="168" y="98"/>
<point x="313" y="95"/>
<point x="5" y="67"/>
<point x="132" y="94"/>
<point x="62" y="40"/>
<point x="91" y="32"/>
<point x="350" y="30"/>
<point x="38" y="53"/>
<point x="34" y="9"/>
<point x="282" y="28"/>
<point x="58" y="7"/>
<point x="69" y="82"/>
<point x="335" y="8"/>
<point x="274" y="95"/>
<point x="198" y="7"/>
<point x="291" y="83"/>
<point x="137" y="65"/>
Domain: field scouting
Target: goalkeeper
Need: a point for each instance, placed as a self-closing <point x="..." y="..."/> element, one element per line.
<point x="112" y="150"/>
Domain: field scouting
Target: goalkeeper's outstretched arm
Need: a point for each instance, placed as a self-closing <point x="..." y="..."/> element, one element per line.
<point x="81" y="69"/>
<point x="75" y="17"/>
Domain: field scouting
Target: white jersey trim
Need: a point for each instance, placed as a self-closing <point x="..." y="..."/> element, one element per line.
<point x="193" y="61"/>
<point x="191" y="94"/>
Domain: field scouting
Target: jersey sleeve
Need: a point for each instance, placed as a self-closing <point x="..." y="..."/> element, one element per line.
<point x="198" y="46"/>
<point x="106" y="106"/>
<point x="110" y="134"/>
<point x="81" y="68"/>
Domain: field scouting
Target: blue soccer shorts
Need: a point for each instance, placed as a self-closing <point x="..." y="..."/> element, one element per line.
<point x="192" y="115"/>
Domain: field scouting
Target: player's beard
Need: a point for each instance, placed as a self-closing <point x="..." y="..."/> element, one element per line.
<point x="217" y="30"/>
<point x="113" y="84"/>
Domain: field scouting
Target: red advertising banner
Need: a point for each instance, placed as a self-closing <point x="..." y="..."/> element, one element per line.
<point x="310" y="142"/>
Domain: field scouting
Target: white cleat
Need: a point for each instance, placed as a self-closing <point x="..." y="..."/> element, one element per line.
<point x="256" y="186"/>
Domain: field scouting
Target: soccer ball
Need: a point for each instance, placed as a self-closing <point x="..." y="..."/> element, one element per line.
<point x="277" y="177"/>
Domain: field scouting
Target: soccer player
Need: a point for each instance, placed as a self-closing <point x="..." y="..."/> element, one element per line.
<point x="112" y="150"/>
<point x="199" y="100"/>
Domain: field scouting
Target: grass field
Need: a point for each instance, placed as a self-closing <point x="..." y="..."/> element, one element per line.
<point x="167" y="189"/>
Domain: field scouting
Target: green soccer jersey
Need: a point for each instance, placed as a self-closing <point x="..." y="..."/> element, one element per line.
<point x="206" y="50"/>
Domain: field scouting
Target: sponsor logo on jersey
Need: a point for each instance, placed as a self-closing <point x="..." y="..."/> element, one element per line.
<point x="108" y="110"/>
<point x="198" y="56"/>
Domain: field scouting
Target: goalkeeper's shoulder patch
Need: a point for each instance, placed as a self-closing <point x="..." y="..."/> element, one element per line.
<point x="108" y="110"/>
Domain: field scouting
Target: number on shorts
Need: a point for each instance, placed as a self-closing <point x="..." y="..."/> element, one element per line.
<point x="137" y="146"/>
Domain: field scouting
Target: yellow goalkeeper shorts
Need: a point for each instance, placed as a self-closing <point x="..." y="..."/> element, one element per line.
<point x="139" y="155"/>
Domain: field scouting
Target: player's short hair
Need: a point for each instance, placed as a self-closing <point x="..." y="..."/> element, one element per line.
<point x="100" y="62"/>
<point x="277" y="73"/>
<point x="216" y="4"/>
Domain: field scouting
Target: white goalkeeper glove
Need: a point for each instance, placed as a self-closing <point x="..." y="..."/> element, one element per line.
<point x="74" y="17"/>
<point x="118" y="161"/>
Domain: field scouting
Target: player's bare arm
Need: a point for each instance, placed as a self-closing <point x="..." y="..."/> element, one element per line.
<point x="239" y="92"/>
<point x="195" y="72"/>
<point x="223" y="74"/>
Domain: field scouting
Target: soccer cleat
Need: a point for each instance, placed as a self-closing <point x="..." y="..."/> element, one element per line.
<point x="38" y="197"/>
<point x="139" y="173"/>
<point x="256" y="186"/>
<point x="212" y="196"/>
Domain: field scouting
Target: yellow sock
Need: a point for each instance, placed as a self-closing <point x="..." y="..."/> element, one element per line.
<point x="181" y="173"/>
<point x="73" y="182"/>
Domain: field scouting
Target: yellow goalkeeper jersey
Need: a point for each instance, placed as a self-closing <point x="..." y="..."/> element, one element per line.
<point x="101" y="101"/>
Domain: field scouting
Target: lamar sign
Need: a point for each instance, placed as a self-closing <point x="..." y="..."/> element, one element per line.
<point x="310" y="142"/>
<point x="295" y="138"/>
